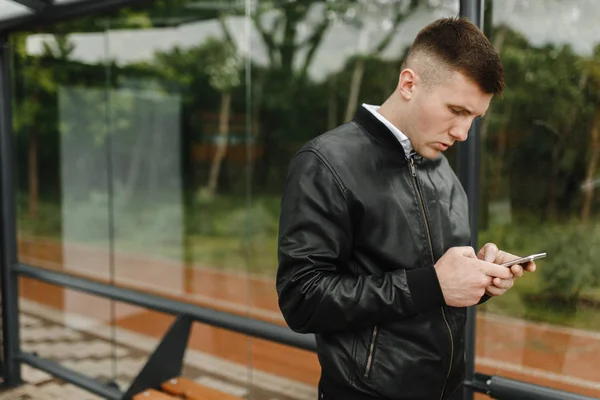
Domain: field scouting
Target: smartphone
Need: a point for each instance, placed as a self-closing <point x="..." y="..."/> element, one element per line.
<point x="524" y="260"/>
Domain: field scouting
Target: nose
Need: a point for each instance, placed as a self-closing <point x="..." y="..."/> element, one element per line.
<point x="460" y="131"/>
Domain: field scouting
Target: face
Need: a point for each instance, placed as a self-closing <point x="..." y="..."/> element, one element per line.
<point x="442" y="112"/>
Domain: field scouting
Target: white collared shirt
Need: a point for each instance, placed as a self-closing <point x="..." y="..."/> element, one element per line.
<point x="402" y="138"/>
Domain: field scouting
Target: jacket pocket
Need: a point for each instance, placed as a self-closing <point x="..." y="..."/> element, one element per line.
<point x="407" y="360"/>
<point x="371" y="353"/>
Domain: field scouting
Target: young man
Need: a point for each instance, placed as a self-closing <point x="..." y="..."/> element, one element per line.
<point x="374" y="230"/>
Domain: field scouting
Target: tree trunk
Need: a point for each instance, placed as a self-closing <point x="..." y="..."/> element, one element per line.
<point x="332" y="109"/>
<point x="497" y="173"/>
<point x="215" y="168"/>
<point x="552" y="185"/>
<point x="591" y="170"/>
<point x="492" y="179"/>
<point x="563" y="137"/>
<point x="33" y="174"/>
<point x="357" y="75"/>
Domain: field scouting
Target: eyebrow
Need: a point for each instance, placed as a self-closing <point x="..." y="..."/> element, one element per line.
<point x="467" y="110"/>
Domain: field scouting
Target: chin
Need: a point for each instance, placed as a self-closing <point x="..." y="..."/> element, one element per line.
<point x="430" y="154"/>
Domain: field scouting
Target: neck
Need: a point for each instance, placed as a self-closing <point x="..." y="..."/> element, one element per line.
<point x="393" y="110"/>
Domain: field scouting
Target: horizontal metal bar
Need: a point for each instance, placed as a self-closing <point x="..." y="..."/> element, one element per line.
<point x="36" y="5"/>
<point x="70" y="376"/>
<point x="236" y="323"/>
<point x="58" y="12"/>
<point x="502" y="388"/>
<point x="478" y="383"/>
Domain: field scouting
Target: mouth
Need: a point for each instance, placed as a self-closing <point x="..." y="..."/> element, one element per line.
<point x="443" y="146"/>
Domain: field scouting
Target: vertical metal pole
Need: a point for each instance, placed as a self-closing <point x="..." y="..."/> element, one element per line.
<point x="8" y="227"/>
<point x="468" y="171"/>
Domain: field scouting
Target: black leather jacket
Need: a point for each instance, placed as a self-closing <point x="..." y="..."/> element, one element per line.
<point x="361" y="228"/>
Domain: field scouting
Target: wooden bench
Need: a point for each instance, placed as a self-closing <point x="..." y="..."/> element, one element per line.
<point x="160" y="378"/>
<point x="182" y="388"/>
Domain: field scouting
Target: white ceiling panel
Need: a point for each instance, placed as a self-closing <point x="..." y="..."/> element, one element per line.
<point x="9" y="9"/>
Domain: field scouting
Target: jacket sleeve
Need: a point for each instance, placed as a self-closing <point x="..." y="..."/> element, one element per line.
<point x="483" y="299"/>
<point x="318" y="292"/>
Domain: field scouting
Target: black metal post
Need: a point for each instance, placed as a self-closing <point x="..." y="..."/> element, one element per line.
<point x="36" y="5"/>
<point x="8" y="229"/>
<point x="468" y="171"/>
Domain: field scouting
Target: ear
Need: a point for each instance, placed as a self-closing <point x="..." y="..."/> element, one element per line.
<point x="406" y="83"/>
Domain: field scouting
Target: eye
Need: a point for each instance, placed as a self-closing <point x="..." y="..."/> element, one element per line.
<point x="455" y="111"/>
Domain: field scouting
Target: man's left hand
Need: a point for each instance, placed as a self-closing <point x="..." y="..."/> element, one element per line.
<point x="490" y="252"/>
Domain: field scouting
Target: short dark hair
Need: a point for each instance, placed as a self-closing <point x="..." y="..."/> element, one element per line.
<point x="462" y="46"/>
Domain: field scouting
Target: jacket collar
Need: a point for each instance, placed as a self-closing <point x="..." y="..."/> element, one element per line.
<point x="377" y="129"/>
<point x="381" y="133"/>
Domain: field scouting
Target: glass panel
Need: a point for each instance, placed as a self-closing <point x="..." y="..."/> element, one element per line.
<point x="59" y="114"/>
<point x="62" y="205"/>
<point x="167" y="130"/>
<point x="539" y="194"/>
<point x="146" y="167"/>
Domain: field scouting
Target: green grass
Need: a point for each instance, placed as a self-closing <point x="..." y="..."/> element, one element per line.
<point x="253" y="255"/>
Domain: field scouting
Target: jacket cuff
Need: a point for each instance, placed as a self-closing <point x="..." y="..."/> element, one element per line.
<point x="483" y="299"/>
<point x="425" y="289"/>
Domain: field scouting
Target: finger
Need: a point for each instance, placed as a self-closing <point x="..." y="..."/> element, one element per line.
<point x="503" y="283"/>
<point x="494" y="291"/>
<point x="517" y="270"/>
<point x="488" y="252"/>
<point x="468" y="251"/>
<point x="530" y="266"/>
<point x="504" y="257"/>
<point x="488" y="281"/>
<point x="496" y="270"/>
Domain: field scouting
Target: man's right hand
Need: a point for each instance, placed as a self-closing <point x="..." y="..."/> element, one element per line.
<point x="464" y="278"/>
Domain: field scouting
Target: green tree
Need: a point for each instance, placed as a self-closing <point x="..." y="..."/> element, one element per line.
<point x="538" y="119"/>
<point x="592" y="69"/>
<point x="392" y="13"/>
<point x="222" y="64"/>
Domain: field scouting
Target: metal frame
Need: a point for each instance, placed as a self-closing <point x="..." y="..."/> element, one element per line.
<point x="468" y="171"/>
<point x="220" y="319"/>
<point x="36" y="5"/>
<point x="58" y="12"/>
<point x="70" y="376"/>
<point x="167" y="360"/>
<point x="468" y="162"/>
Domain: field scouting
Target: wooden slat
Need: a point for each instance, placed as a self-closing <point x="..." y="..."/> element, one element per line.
<point x="152" y="394"/>
<point x="194" y="391"/>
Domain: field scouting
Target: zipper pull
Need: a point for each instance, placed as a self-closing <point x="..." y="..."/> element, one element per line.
<point x="412" y="167"/>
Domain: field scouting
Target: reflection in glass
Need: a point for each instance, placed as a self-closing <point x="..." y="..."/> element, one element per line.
<point x="120" y="162"/>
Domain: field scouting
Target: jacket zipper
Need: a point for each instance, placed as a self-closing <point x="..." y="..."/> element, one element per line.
<point x="371" y="351"/>
<point x="413" y="171"/>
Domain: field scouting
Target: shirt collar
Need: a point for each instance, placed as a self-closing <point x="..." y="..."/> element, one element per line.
<point x="402" y="138"/>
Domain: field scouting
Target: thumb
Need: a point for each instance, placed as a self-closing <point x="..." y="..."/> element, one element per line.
<point x="467" y="251"/>
<point x="488" y="252"/>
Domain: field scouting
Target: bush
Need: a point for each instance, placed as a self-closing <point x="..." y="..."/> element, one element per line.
<point x="255" y="221"/>
<point x="572" y="263"/>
